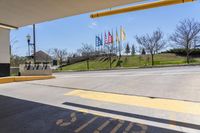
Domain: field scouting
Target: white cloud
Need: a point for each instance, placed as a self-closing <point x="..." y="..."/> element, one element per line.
<point x="93" y="25"/>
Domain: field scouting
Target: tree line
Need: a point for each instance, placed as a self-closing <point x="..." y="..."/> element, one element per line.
<point x="186" y="37"/>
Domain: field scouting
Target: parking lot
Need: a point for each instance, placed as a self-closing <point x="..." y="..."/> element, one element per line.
<point x="133" y="100"/>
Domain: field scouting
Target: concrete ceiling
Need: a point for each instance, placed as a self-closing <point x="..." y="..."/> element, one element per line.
<point x="25" y="12"/>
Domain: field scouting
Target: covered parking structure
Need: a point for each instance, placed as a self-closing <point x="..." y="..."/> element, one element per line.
<point x="47" y="106"/>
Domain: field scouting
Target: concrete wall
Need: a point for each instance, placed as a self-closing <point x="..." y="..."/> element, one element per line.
<point x="32" y="70"/>
<point x="4" y="52"/>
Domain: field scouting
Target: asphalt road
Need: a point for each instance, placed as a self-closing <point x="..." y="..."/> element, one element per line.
<point x="181" y="83"/>
<point x="97" y="102"/>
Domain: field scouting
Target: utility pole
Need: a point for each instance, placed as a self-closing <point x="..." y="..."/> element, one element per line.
<point x="34" y="44"/>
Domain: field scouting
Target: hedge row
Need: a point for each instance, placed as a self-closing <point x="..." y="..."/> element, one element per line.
<point x="182" y="52"/>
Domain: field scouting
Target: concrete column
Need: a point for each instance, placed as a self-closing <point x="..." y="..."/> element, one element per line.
<point x="4" y="52"/>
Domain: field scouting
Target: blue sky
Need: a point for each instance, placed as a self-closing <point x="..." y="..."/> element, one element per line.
<point x="71" y="32"/>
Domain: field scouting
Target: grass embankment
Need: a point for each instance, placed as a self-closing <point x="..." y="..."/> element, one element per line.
<point x="130" y="61"/>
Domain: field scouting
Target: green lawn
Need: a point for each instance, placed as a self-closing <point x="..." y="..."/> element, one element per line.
<point x="130" y="61"/>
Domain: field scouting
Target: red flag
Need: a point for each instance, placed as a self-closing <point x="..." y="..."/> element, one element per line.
<point x="109" y="38"/>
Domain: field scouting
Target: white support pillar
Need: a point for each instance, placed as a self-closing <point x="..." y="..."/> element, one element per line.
<point x="4" y="52"/>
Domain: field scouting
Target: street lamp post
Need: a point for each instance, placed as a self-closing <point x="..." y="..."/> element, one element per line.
<point x="28" y="40"/>
<point x="33" y="44"/>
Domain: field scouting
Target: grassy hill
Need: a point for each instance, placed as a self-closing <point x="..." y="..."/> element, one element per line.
<point x="130" y="61"/>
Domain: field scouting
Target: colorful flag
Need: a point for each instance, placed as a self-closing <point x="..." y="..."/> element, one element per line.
<point x="105" y="39"/>
<point x="122" y="34"/>
<point x="117" y="37"/>
<point x="101" y="43"/>
<point x="98" y="41"/>
<point x="112" y="38"/>
<point x="109" y="38"/>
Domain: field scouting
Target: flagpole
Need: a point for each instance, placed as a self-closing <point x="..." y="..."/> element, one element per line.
<point x="116" y="41"/>
<point x="95" y="42"/>
<point x="120" y="41"/>
<point x="101" y="42"/>
<point x="113" y="42"/>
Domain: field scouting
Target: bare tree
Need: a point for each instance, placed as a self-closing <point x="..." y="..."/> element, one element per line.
<point x="152" y="43"/>
<point x="186" y="36"/>
<point x="48" y="56"/>
<point x="60" y="55"/>
<point x="16" y="60"/>
<point x="86" y="50"/>
<point x="13" y="42"/>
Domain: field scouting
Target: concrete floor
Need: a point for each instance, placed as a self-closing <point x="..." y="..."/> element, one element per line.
<point x="43" y="107"/>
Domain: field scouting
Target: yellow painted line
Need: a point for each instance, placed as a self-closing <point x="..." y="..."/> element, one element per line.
<point x="116" y="128"/>
<point x="157" y="103"/>
<point x="23" y="78"/>
<point x="105" y="124"/>
<point x="85" y="125"/>
<point x="128" y="128"/>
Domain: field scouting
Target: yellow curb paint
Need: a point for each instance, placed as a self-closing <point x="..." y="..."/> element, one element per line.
<point x="6" y="80"/>
<point x="23" y="78"/>
<point x="29" y="78"/>
<point x="157" y="103"/>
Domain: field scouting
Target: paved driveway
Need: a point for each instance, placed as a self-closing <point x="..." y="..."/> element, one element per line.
<point x="97" y="102"/>
<point x="181" y="83"/>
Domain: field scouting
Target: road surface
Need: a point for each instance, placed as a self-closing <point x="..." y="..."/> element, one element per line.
<point x="158" y="100"/>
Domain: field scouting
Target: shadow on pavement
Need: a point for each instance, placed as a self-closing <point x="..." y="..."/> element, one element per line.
<point x="160" y="120"/>
<point x="21" y="116"/>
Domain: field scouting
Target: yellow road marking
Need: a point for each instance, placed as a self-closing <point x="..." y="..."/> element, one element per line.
<point x="105" y="124"/>
<point x="85" y="125"/>
<point x="157" y="103"/>
<point x="128" y="128"/>
<point x="116" y="128"/>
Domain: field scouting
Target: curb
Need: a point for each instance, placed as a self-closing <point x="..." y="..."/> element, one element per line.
<point x="23" y="78"/>
<point x="127" y="68"/>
